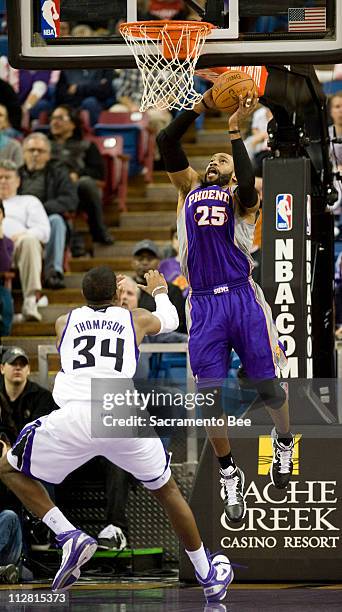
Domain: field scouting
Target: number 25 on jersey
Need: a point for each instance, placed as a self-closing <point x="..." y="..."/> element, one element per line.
<point x="211" y="215"/>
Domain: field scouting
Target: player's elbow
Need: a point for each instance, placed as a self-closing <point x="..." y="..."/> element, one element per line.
<point x="168" y="318"/>
<point x="248" y="195"/>
<point x="171" y="321"/>
<point x="163" y="141"/>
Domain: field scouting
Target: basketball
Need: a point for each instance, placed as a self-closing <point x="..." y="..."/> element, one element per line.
<point x="229" y="86"/>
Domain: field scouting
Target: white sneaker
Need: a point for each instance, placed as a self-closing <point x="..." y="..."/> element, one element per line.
<point x="30" y="309"/>
<point x="112" y="538"/>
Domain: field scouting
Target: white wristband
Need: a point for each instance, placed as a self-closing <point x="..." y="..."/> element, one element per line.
<point x="157" y="289"/>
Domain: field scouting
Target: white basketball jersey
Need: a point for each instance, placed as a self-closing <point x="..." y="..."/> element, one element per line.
<point x="95" y="344"/>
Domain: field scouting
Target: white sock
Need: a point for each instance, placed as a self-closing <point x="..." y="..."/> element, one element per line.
<point x="200" y="561"/>
<point x="56" y="521"/>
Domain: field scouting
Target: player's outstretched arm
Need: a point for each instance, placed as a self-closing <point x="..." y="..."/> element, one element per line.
<point x="246" y="194"/>
<point x="183" y="177"/>
<point x="165" y="318"/>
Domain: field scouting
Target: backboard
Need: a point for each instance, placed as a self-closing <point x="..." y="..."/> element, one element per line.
<point x="48" y="33"/>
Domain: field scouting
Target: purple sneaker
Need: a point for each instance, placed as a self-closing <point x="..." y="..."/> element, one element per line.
<point x="78" y="548"/>
<point x="219" y="578"/>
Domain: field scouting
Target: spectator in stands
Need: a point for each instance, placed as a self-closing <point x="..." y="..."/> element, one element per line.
<point x="335" y="133"/>
<point x="64" y="29"/>
<point x="32" y="86"/>
<point x="9" y="147"/>
<point x="27" y="224"/>
<point x="50" y="183"/>
<point x="87" y="89"/>
<point x="82" y="30"/>
<point x="146" y="257"/>
<point x="21" y="401"/>
<point x="20" y="398"/>
<point x="170" y="267"/>
<point x="167" y="9"/>
<point x="257" y="143"/>
<point x="9" y="99"/>
<point x="85" y="165"/>
<point x="6" y="303"/>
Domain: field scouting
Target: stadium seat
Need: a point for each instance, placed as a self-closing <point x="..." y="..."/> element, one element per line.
<point x="117" y="165"/>
<point x="139" y="140"/>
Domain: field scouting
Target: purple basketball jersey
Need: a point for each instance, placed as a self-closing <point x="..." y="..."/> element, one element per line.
<point x="214" y="240"/>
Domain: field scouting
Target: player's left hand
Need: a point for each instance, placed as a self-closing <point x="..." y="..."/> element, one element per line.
<point x="247" y="106"/>
<point x="209" y="102"/>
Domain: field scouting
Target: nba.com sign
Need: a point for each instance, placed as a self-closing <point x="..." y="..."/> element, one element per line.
<point x="286" y="259"/>
<point x="50" y="18"/>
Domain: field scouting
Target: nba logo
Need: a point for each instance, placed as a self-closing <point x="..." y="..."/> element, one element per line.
<point x="50" y="18"/>
<point x="284" y="212"/>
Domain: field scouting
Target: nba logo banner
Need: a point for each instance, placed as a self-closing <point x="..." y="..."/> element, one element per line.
<point x="50" y="18"/>
<point x="284" y="202"/>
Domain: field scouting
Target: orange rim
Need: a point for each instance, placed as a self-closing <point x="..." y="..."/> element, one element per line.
<point x="152" y="29"/>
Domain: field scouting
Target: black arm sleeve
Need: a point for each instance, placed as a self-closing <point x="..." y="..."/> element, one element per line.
<point x="245" y="176"/>
<point x="168" y="139"/>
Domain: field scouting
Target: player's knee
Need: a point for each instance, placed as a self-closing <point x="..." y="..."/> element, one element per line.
<point x="271" y="393"/>
<point x="170" y="488"/>
<point x="212" y="404"/>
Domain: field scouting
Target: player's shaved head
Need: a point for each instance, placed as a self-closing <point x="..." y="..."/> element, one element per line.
<point x="99" y="285"/>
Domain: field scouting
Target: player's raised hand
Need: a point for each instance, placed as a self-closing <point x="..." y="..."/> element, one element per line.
<point x="156" y="283"/>
<point x="247" y="106"/>
<point x="206" y="102"/>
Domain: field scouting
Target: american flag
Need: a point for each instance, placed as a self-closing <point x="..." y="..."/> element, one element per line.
<point x="307" y="19"/>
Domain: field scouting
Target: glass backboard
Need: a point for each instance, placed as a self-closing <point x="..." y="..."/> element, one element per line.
<point x="84" y="33"/>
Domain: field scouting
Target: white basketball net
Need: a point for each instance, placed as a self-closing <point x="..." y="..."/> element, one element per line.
<point x="168" y="81"/>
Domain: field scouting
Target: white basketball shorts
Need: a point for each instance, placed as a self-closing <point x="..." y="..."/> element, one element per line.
<point x="55" y="445"/>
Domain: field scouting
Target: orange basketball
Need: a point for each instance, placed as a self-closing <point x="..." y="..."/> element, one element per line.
<point x="229" y="86"/>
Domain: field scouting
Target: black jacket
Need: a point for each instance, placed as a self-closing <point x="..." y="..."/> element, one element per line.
<point x="90" y="82"/>
<point x="10" y="100"/>
<point x="81" y="156"/>
<point x="61" y="192"/>
<point x="176" y="298"/>
<point x="34" y="402"/>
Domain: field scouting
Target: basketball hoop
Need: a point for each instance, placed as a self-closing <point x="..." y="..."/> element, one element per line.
<point x="166" y="53"/>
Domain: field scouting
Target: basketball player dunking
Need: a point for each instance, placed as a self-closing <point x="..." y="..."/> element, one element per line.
<point x="226" y="309"/>
<point x="53" y="446"/>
